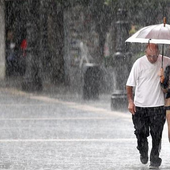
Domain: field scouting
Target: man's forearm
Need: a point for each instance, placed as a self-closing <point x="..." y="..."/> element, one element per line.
<point x="129" y="90"/>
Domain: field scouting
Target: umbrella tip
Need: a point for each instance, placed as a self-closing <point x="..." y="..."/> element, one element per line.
<point x="164" y="21"/>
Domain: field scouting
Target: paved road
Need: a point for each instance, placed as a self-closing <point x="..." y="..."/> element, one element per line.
<point x="63" y="132"/>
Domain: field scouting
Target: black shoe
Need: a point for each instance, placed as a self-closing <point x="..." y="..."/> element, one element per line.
<point x="143" y="150"/>
<point x="155" y="164"/>
<point x="144" y="158"/>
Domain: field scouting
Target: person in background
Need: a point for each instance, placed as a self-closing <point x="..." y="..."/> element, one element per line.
<point x="22" y="59"/>
<point x="11" y="55"/>
<point x="165" y="85"/>
<point x="23" y="47"/>
<point x="147" y="106"/>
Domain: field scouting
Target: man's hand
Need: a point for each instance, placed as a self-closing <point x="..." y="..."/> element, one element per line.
<point x="132" y="107"/>
<point x="161" y="75"/>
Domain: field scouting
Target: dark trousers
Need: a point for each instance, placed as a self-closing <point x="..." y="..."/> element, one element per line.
<point x="149" y="121"/>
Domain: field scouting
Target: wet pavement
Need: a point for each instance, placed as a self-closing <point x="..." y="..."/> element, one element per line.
<point x="58" y="130"/>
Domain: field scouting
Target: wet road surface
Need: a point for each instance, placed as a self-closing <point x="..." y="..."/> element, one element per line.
<point x="52" y="132"/>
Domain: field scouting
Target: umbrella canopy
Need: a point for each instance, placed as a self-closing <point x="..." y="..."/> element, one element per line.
<point x="157" y="34"/>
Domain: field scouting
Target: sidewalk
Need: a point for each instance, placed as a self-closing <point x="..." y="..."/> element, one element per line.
<point x="62" y="92"/>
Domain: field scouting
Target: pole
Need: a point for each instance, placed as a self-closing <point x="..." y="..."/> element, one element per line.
<point x="120" y="62"/>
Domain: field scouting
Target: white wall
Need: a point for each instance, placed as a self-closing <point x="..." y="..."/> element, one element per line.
<point x="2" y="39"/>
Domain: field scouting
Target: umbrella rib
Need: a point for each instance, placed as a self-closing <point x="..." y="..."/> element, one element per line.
<point x="145" y="29"/>
<point x="151" y="30"/>
<point x="159" y="32"/>
<point x="168" y="29"/>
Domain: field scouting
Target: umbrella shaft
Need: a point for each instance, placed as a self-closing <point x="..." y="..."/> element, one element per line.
<point x="162" y="54"/>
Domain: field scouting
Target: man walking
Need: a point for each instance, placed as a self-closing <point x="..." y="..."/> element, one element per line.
<point x="147" y="107"/>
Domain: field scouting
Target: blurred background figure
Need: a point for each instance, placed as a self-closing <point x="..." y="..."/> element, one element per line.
<point x="22" y="54"/>
<point x="84" y="54"/>
<point x="11" y="53"/>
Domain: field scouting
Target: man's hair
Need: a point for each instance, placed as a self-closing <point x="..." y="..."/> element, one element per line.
<point x="150" y="45"/>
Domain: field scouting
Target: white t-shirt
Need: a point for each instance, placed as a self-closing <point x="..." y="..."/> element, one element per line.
<point x="144" y="76"/>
